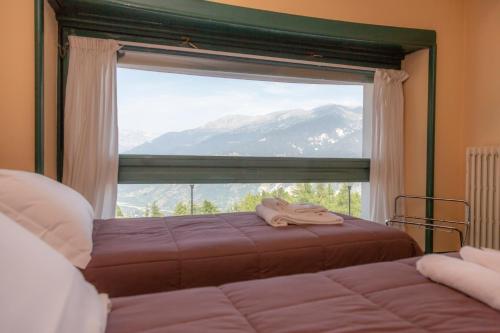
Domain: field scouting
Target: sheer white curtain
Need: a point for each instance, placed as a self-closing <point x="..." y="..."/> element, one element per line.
<point x="90" y="123"/>
<point x="386" y="170"/>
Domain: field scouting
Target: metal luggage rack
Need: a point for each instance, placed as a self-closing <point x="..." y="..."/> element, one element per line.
<point x="428" y="223"/>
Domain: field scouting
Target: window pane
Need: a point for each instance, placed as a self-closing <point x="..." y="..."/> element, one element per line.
<point x="175" y="114"/>
<point x="175" y="199"/>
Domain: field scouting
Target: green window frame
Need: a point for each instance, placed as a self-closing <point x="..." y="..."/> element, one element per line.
<point x="175" y="169"/>
<point x="234" y="29"/>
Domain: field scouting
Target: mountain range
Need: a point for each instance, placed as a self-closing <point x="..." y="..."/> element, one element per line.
<point x="326" y="131"/>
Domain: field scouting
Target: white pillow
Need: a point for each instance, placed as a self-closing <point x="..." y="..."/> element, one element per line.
<point x="41" y="291"/>
<point x="54" y="212"/>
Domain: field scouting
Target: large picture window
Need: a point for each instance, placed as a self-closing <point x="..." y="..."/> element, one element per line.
<point x="176" y="114"/>
<point x="173" y="108"/>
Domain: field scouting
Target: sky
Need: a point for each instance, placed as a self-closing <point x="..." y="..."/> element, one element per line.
<point x="158" y="102"/>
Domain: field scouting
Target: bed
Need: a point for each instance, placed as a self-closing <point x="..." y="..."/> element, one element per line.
<point x="379" y="297"/>
<point x="147" y="255"/>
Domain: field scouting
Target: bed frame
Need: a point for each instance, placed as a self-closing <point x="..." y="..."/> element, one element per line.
<point x="462" y="228"/>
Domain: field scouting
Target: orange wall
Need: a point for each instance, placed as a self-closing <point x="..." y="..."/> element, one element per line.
<point x="482" y="73"/>
<point x="17" y="81"/>
<point x="17" y="84"/>
<point x="415" y="90"/>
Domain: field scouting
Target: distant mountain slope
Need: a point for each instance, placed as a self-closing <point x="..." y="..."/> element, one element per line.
<point x="132" y="138"/>
<point x="326" y="131"/>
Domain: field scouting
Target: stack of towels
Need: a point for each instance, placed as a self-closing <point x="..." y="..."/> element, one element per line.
<point x="476" y="275"/>
<point x="279" y="213"/>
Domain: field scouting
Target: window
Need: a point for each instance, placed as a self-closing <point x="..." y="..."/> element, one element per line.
<point x="205" y="136"/>
<point x="176" y="114"/>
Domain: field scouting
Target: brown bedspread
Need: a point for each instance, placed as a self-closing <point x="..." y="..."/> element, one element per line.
<point x="379" y="297"/>
<point x="138" y="256"/>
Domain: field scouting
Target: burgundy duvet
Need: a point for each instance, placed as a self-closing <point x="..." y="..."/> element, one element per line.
<point x="138" y="256"/>
<point x="380" y="297"/>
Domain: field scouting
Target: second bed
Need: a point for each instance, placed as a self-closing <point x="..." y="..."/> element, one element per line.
<point x="147" y="255"/>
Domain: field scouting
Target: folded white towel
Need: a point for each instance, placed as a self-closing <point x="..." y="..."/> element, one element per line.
<point x="306" y="208"/>
<point x="473" y="280"/>
<point x="280" y="219"/>
<point x="270" y="216"/>
<point x="485" y="257"/>
<point x="284" y="206"/>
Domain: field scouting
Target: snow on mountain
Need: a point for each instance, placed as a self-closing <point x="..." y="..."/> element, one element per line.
<point x="132" y="138"/>
<point x="229" y="122"/>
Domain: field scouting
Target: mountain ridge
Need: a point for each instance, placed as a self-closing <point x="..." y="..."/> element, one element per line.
<point x="296" y="133"/>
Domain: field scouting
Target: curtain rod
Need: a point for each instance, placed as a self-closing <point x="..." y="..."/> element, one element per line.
<point x="246" y="56"/>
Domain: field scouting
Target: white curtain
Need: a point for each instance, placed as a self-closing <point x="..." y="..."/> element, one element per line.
<point x="386" y="171"/>
<point x="90" y="123"/>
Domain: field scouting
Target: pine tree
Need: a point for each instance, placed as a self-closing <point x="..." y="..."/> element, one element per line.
<point x="251" y="200"/>
<point x="119" y="212"/>
<point x="303" y="193"/>
<point x="208" y="207"/>
<point x="342" y="201"/>
<point x="181" y="208"/>
<point x="155" y="210"/>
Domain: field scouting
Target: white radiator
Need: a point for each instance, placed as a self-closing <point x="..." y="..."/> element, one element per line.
<point x="483" y="194"/>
